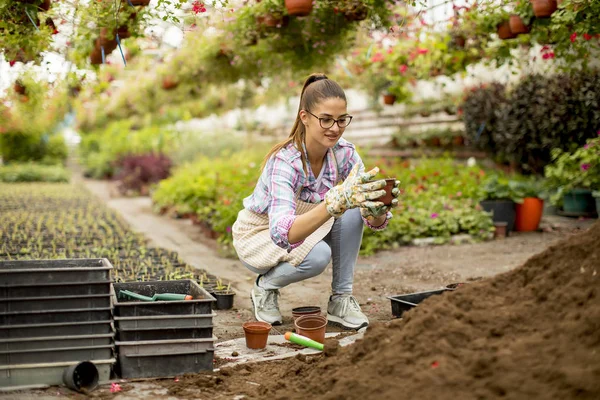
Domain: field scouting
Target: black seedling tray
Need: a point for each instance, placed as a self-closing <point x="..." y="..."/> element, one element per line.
<point x="56" y="355"/>
<point x="55" y="329"/>
<point x="24" y="304"/>
<point x="125" y="307"/>
<point x="405" y="302"/>
<point x="164" y="322"/>
<point x="55" y="289"/>
<point x="164" y="366"/>
<point x="33" y="272"/>
<point x="165" y="334"/>
<point x="56" y="316"/>
<point x="55" y="342"/>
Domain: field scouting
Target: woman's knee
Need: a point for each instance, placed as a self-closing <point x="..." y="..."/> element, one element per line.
<point x="317" y="260"/>
<point x="352" y="218"/>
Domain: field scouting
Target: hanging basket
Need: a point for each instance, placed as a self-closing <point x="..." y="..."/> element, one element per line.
<point x="19" y="88"/>
<point x="169" y="83"/>
<point x="517" y="26"/>
<point x="140" y="2"/>
<point x="298" y="8"/>
<point x="45" y="6"/>
<point x="544" y="8"/>
<point x="389" y="99"/>
<point x="504" y="31"/>
<point x="96" y="56"/>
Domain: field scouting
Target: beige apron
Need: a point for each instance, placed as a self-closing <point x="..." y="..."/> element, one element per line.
<point x="252" y="238"/>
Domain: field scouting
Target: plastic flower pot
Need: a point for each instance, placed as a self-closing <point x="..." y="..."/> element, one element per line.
<point x="312" y="326"/>
<point x="82" y="377"/>
<point x="224" y="299"/>
<point x="579" y="202"/>
<point x="597" y="205"/>
<point x="502" y="210"/>
<point x="517" y="26"/>
<point x="504" y="31"/>
<point x="544" y="8"/>
<point x="306" y="310"/>
<point x="501" y="230"/>
<point x="389" y="99"/>
<point x="528" y="214"/>
<point x="257" y="334"/>
<point x="299" y="8"/>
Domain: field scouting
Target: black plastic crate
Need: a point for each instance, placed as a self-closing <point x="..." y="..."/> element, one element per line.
<point x="405" y="302"/>
<point x="165" y="334"/>
<point x="56" y="355"/>
<point x="164" y="347"/>
<point x="24" y="304"/>
<point x="168" y="365"/>
<point x="55" y="289"/>
<point x="125" y="307"/>
<point x="56" y="342"/>
<point x="55" y="329"/>
<point x="166" y="321"/>
<point x="30" y="272"/>
<point x="56" y="316"/>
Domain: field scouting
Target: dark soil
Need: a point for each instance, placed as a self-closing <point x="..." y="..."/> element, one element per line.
<point x="533" y="332"/>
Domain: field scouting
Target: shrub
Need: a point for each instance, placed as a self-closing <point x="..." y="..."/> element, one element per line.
<point x="136" y="173"/>
<point x="33" y="173"/>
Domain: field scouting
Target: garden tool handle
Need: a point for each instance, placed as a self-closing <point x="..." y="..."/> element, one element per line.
<point x="303" y="341"/>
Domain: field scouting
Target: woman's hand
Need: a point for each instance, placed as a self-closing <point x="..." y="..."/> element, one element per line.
<point x="372" y="212"/>
<point x="355" y="191"/>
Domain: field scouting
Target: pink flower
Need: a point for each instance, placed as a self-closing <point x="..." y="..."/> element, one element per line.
<point x="434" y="215"/>
<point x="115" y="387"/>
<point x="228" y="229"/>
<point x="377" y="57"/>
<point x="422" y="51"/>
<point x="545" y="48"/>
<point x="403" y="68"/>
<point x="573" y="37"/>
<point x="585" y="166"/>
<point x="198" y="7"/>
<point x="549" y="55"/>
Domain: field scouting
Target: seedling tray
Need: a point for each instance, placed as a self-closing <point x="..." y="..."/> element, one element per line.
<point x="56" y="355"/>
<point x="29" y="272"/>
<point x="55" y="289"/>
<point x="164" y="347"/>
<point x="165" y="334"/>
<point x="57" y="342"/>
<point x="55" y="329"/>
<point x="200" y="304"/>
<point x="164" y="322"/>
<point x="56" y="316"/>
<point x="164" y="366"/>
<point x="24" y="304"/>
<point x="25" y="376"/>
<point x="405" y="302"/>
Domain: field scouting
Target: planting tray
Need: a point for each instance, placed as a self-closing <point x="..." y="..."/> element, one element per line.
<point x="55" y="289"/>
<point x="164" y="322"/>
<point x="35" y="375"/>
<point x="164" y="347"/>
<point x="200" y="304"/>
<point x="168" y="365"/>
<point x="56" y="355"/>
<point x="24" y="304"/>
<point x="56" y="316"/>
<point x="55" y="329"/>
<point x="406" y="302"/>
<point x="165" y="334"/>
<point x="28" y="272"/>
<point x="41" y="343"/>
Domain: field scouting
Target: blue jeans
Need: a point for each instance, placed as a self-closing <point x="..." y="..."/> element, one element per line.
<point x="341" y="246"/>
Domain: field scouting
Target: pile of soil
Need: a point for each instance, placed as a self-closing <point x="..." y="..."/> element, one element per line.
<point x="533" y="332"/>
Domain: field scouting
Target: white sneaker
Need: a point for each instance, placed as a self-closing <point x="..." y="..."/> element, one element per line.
<point x="345" y="311"/>
<point x="266" y="308"/>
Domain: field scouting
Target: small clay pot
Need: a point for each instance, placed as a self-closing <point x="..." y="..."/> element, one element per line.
<point x="389" y="99"/>
<point x="387" y="198"/>
<point x="257" y="334"/>
<point x="299" y="8"/>
<point x="504" y="31"/>
<point x="306" y="310"/>
<point x="517" y="26"/>
<point x="544" y="8"/>
<point x="312" y="326"/>
<point x="500" y="231"/>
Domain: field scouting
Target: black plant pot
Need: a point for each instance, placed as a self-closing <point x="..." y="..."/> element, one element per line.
<point x="224" y="300"/>
<point x="502" y="210"/>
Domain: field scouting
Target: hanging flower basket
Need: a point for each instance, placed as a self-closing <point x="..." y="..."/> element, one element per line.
<point x="96" y="56"/>
<point x="504" y="31"/>
<point x="544" y="8"/>
<point x="169" y="83"/>
<point x="19" y="88"/>
<point x="123" y="32"/>
<point x="389" y="99"/>
<point x="45" y="6"/>
<point x="298" y="8"/>
<point x="140" y="2"/>
<point x="517" y="26"/>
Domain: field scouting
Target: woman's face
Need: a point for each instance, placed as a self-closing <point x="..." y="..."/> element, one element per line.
<point x="327" y="110"/>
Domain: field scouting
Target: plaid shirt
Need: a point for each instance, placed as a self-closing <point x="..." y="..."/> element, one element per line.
<point x="276" y="191"/>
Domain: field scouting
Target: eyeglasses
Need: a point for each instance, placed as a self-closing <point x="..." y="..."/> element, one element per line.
<point x="327" y="122"/>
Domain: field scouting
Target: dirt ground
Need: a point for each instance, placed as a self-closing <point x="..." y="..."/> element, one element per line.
<point x="398" y="271"/>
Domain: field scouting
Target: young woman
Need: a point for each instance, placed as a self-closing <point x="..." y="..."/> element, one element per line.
<point x="309" y="207"/>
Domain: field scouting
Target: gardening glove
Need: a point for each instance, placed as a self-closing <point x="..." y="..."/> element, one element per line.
<point x="355" y="191"/>
<point x="369" y="212"/>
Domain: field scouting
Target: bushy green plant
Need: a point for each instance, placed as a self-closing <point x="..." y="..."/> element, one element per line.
<point x="501" y="188"/>
<point x="33" y="173"/>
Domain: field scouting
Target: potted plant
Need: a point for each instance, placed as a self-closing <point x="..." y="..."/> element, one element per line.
<point x="299" y="8"/>
<point x="224" y="296"/>
<point x="544" y="8"/>
<point x="520" y="21"/>
<point x="498" y="196"/>
<point x="528" y="213"/>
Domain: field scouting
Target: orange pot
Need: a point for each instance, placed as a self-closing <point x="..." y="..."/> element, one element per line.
<point x="544" y="8"/>
<point x="529" y="214"/>
<point x="299" y="8"/>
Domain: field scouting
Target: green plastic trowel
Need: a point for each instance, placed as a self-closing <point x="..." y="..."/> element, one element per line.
<point x="157" y="296"/>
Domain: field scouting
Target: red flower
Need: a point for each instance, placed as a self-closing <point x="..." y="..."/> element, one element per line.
<point x="573" y="37"/>
<point x="422" y="51"/>
<point x="377" y="57"/>
<point x="549" y="55"/>
<point x="545" y="48"/>
<point x="198" y="7"/>
<point x="12" y="62"/>
<point x="55" y="31"/>
<point x="403" y="68"/>
<point x="587" y="36"/>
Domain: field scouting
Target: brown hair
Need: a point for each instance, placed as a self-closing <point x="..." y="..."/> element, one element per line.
<point x="316" y="88"/>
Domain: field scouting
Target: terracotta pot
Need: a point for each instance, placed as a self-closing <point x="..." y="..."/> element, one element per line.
<point x="544" y="8"/>
<point x="45" y="6"/>
<point x="140" y="2"/>
<point x="387" y="198"/>
<point x="123" y="32"/>
<point x="529" y="214"/>
<point x="500" y="231"/>
<point x="517" y="26"/>
<point x="458" y="140"/>
<point x="460" y="41"/>
<point x="170" y="83"/>
<point x="19" y="88"/>
<point x="96" y="56"/>
<point x="389" y="99"/>
<point x="299" y="8"/>
<point x="306" y="310"/>
<point x="504" y="31"/>
<point x="257" y="334"/>
<point x="312" y="326"/>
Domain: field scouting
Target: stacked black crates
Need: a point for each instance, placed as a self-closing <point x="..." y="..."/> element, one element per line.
<point x="54" y="313"/>
<point x="163" y="338"/>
